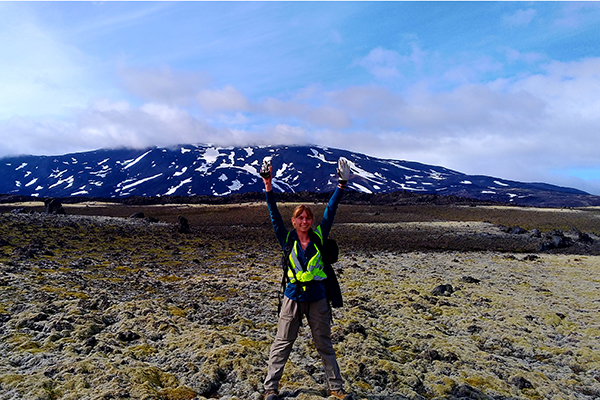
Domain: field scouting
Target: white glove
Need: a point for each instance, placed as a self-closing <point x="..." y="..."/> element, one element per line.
<point x="265" y="170"/>
<point x="343" y="171"/>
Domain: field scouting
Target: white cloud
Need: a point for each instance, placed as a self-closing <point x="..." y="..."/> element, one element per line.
<point x="163" y="84"/>
<point x="227" y="99"/>
<point x="520" y="17"/>
<point x="513" y="55"/>
<point x="381" y="63"/>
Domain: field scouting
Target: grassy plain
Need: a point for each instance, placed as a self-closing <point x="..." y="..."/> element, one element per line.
<point x="96" y="305"/>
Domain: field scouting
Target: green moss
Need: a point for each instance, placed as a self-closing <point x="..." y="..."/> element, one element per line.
<point x="180" y="393"/>
<point x="141" y="351"/>
<point x="170" y="278"/>
<point x="10" y="379"/>
<point x="364" y="386"/>
<point x="50" y="390"/>
<point x="532" y="394"/>
<point x="155" y="378"/>
<point x="176" y="311"/>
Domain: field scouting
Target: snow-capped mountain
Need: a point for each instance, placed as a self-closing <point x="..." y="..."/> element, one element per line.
<point x="206" y="170"/>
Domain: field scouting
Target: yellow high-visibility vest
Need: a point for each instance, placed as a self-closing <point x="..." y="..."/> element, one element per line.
<point x="314" y="268"/>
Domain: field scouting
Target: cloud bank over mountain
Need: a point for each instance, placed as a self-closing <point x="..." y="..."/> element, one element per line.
<point x="511" y="91"/>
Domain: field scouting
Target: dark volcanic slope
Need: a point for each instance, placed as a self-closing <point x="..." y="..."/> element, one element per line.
<point x="192" y="170"/>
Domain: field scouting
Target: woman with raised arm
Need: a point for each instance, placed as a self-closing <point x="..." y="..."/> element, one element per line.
<point x="305" y="293"/>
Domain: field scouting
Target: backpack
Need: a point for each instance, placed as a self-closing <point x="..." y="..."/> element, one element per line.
<point x="330" y="252"/>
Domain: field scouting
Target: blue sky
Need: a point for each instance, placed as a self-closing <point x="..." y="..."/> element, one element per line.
<point x="508" y="89"/>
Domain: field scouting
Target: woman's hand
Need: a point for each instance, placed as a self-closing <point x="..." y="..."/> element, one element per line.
<point x="343" y="171"/>
<point x="266" y="172"/>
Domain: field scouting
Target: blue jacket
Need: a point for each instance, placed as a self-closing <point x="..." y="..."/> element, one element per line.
<point x="317" y="289"/>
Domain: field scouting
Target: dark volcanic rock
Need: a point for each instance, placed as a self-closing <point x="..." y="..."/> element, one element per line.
<point x="127" y="336"/>
<point x="443" y="290"/>
<point x="54" y="206"/>
<point x="555" y="240"/>
<point x="469" y="279"/>
<point x="520" y="382"/>
<point x="517" y="230"/>
<point x="585" y="238"/>
<point x="183" y="225"/>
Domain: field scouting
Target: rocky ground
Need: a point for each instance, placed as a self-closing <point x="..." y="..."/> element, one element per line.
<point x="440" y="303"/>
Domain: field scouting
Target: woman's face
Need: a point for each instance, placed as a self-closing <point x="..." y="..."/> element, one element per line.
<point x="302" y="222"/>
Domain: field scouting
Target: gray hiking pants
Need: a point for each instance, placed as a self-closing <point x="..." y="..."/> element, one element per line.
<point x="319" y="317"/>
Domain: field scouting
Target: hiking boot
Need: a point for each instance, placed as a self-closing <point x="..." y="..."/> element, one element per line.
<point x="339" y="394"/>
<point x="271" y="395"/>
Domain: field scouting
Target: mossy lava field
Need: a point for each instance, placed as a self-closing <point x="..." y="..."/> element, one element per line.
<point x="441" y="302"/>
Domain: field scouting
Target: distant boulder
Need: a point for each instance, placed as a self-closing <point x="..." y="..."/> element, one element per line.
<point x="513" y="230"/>
<point x="555" y="240"/>
<point x="54" y="206"/>
<point x="517" y="230"/>
<point x="585" y="238"/>
<point x="183" y="225"/>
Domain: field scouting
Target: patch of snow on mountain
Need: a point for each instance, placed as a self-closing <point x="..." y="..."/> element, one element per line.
<point x="18" y="183"/>
<point x="127" y="187"/>
<point x="173" y="189"/>
<point x="179" y="173"/>
<point x="21" y="166"/>
<point x="131" y="163"/>
<point x="320" y="156"/>
<point x="102" y="173"/>
<point x="355" y="169"/>
<point x="34" y="180"/>
<point x="398" y="165"/>
<point x="68" y="180"/>
<point x="487" y="192"/>
<point x="223" y="178"/>
<point x="235" y="185"/>
<point x="466" y="182"/>
<point x="501" y="183"/>
<point x="184" y="150"/>
<point x="103" y="161"/>
<point x="360" y="188"/>
<point x="210" y="155"/>
<point x="249" y="151"/>
<point x="279" y="173"/>
<point x="412" y="189"/>
<point x="436" y="175"/>
<point x="250" y="169"/>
